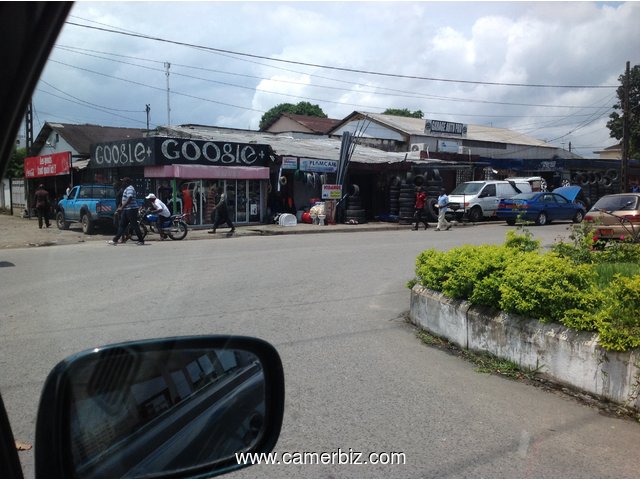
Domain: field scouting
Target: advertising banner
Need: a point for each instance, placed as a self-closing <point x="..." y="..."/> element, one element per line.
<point x="170" y="151"/>
<point x="440" y="126"/>
<point x="331" y="192"/>
<point x="47" y="165"/>
<point x="289" y="163"/>
<point x="318" y="166"/>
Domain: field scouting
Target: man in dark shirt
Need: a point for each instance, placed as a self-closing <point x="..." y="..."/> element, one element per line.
<point x="42" y="206"/>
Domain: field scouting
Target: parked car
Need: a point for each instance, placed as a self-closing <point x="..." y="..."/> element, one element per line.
<point x="87" y="204"/>
<point x="543" y="207"/>
<point x="616" y="217"/>
<point x="480" y="198"/>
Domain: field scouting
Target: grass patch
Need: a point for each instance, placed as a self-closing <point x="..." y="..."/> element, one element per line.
<point x="607" y="271"/>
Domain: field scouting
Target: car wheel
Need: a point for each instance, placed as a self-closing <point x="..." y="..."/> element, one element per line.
<point x="60" y="221"/>
<point x="87" y="224"/>
<point x="511" y="222"/>
<point x="542" y="219"/>
<point x="578" y="216"/>
<point x="475" y="214"/>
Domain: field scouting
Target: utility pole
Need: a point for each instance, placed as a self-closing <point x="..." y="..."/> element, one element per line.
<point x="624" y="169"/>
<point x="167" y="65"/>
<point x="28" y="122"/>
<point x="148" y="110"/>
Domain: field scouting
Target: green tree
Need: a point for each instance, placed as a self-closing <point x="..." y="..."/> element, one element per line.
<point x="615" y="123"/>
<point x="15" y="168"/>
<point x="403" y="112"/>
<point x="301" y="108"/>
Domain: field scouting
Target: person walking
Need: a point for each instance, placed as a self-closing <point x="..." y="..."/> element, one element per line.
<point x="129" y="216"/>
<point x="443" y="201"/>
<point x="43" y="205"/>
<point x="421" y="201"/>
<point x="221" y="214"/>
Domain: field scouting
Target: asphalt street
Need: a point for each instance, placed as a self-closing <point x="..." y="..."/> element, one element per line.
<point x="333" y="305"/>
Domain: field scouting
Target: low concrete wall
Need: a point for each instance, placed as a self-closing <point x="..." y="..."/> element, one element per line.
<point x="562" y="354"/>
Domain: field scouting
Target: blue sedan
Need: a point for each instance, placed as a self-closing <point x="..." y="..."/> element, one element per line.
<point x="542" y="207"/>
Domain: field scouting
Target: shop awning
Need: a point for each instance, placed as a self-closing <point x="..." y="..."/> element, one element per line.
<point x="206" y="172"/>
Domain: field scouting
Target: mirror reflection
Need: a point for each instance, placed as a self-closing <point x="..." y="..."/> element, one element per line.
<point x="143" y="413"/>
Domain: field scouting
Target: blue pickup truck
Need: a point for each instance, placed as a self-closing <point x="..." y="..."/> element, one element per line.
<point x="87" y="204"/>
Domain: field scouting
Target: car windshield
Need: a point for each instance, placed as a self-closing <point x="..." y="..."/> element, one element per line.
<point x="288" y="142"/>
<point x="617" y="203"/>
<point x="467" y="189"/>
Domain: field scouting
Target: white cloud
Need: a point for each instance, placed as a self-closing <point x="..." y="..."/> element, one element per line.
<point x="558" y="43"/>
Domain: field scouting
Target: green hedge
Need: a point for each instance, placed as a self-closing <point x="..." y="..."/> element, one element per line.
<point x="557" y="286"/>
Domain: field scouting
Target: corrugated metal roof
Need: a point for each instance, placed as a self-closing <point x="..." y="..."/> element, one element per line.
<point x="319" y="148"/>
<point x="480" y="133"/>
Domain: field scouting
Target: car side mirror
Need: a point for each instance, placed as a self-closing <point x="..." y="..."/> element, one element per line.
<point x="178" y="407"/>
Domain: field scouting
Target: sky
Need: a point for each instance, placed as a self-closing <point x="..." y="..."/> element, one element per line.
<point x="546" y="69"/>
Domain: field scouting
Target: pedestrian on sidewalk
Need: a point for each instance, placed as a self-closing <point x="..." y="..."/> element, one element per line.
<point x="221" y="214"/>
<point x="43" y="205"/>
<point x="443" y="202"/>
<point x="418" y="214"/>
<point x="129" y="216"/>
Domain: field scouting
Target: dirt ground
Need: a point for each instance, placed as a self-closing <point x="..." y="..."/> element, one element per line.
<point x="18" y="232"/>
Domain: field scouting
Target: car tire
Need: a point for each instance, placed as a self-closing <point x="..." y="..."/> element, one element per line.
<point x="542" y="219"/>
<point x="578" y="217"/>
<point x="511" y="222"/>
<point x="87" y="224"/>
<point x="475" y="215"/>
<point x="61" y="223"/>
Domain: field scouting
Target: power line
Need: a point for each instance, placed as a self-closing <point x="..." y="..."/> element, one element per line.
<point x="89" y="103"/>
<point x="156" y="88"/>
<point x="328" y="67"/>
<point x="397" y="93"/>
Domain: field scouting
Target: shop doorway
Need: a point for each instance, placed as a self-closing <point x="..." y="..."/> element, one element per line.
<point x="196" y="199"/>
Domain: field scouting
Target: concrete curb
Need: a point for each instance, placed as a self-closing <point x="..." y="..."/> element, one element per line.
<point x="564" y="355"/>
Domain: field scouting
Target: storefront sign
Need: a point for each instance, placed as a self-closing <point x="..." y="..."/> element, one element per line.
<point x="439" y="126"/>
<point x="123" y="153"/>
<point x="170" y="151"/>
<point x="331" y="192"/>
<point x="319" y="166"/>
<point x="289" y="163"/>
<point x="47" y="165"/>
<point x="450" y="146"/>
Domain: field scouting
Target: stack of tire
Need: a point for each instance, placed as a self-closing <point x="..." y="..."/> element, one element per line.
<point x="354" y="213"/>
<point x="597" y="184"/>
<point x="394" y="201"/>
<point x="406" y="202"/>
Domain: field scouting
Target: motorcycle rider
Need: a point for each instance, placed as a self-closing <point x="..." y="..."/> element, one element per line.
<point x="158" y="207"/>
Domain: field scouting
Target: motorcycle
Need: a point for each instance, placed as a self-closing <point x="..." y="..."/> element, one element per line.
<point x="175" y="227"/>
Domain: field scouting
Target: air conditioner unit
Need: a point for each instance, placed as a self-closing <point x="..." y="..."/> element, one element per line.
<point x="419" y="147"/>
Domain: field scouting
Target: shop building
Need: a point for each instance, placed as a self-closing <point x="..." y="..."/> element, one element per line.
<point x="58" y="158"/>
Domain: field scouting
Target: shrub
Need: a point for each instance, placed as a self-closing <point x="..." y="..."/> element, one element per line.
<point x="618" y="320"/>
<point x="431" y="270"/>
<point x="544" y="286"/>
<point x="581" y="248"/>
<point x="522" y="242"/>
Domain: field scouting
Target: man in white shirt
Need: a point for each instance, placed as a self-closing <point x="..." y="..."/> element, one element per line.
<point x="158" y="207"/>
<point x="443" y="201"/>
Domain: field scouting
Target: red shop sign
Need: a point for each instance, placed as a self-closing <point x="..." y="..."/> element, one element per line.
<point x="47" y="165"/>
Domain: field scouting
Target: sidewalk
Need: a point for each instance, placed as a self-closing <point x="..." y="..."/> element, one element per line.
<point x="17" y="232"/>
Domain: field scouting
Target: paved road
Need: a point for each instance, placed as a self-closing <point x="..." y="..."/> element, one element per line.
<point x="356" y="376"/>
